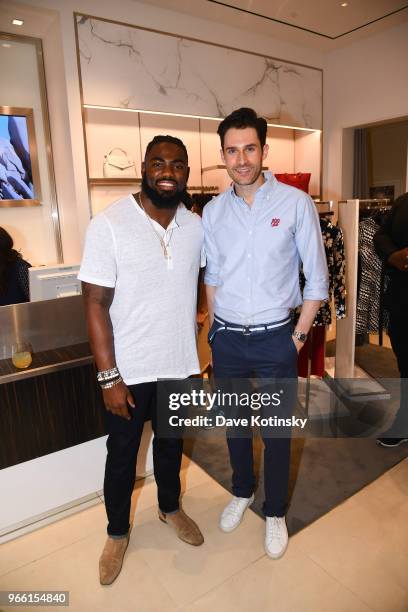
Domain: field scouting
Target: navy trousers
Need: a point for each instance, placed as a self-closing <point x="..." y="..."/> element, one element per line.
<point x="120" y="471"/>
<point x="269" y="355"/>
<point x="399" y="341"/>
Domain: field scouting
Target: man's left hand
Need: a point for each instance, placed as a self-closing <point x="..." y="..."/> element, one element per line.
<point x="299" y="345"/>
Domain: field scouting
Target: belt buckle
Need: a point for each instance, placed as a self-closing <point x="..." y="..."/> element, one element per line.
<point x="247" y="331"/>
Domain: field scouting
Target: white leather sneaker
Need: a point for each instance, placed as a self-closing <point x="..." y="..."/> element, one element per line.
<point x="276" y="536"/>
<point x="233" y="513"/>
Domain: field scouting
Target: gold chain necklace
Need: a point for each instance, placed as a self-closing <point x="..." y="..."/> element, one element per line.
<point x="164" y="245"/>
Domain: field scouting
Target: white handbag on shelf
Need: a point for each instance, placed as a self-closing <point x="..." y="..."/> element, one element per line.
<point x="118" y="165"/>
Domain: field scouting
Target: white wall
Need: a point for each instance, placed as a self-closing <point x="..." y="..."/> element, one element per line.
<point x="31" y="227"/>
<point x="364" y="82"/>
<point x="64" y="93"/>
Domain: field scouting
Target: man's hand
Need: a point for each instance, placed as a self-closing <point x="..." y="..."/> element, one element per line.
<point x="117" y="399"/>
<point x="298" y="344"/>
<point x="399" y="259"/>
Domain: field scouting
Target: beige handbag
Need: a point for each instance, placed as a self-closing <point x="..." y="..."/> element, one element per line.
<point x="118" y="166"/>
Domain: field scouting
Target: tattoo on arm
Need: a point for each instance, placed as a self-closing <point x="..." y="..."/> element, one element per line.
<point x="97" y="301"/>
<point x="95" y="294"/>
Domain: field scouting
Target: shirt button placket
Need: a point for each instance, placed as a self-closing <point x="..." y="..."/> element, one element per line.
<point x="250" y="242"/>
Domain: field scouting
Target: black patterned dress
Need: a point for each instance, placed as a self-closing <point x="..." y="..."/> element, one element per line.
<point x="369" y="316"/>
<point x="333" y="241"/>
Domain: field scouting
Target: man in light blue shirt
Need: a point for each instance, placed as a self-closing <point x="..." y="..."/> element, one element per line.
<point x="256" y="235"/>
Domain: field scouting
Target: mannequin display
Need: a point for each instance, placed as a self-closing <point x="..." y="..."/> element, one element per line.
<point x="391" y="244"/>
<point x="13" y="272"/>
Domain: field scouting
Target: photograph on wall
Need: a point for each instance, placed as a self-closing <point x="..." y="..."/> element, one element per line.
<point x="383" y="191"/>
<point x="19" y="177"/>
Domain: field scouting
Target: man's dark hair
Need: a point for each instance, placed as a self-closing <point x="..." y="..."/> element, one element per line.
<point x="240" y="119"/>
<point x="172" y="139"/>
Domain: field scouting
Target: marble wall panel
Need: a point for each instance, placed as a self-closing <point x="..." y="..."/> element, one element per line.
<point x="125" y="66"/>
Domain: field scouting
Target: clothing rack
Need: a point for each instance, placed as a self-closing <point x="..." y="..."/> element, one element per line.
<point x="375" y="208"/>
<point x="325" y="213"/>
<point x="367" y="388"/>
<point x="375" y="204"/>
<point x="366" y="201"/>
<point x="375" y="201"/>
<point x="328" y="204"/>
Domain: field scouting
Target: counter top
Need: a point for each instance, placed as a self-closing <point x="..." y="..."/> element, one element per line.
<point x="46" y="362"/>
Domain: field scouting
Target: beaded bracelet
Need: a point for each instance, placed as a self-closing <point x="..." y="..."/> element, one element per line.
<point x="107" y="374"/>
<point x="112" y="383"/>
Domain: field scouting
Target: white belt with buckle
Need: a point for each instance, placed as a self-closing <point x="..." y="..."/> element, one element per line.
<point x="248" y="329"/>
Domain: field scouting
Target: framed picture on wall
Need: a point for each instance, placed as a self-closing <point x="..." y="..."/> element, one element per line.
<point x="386" y="189"/>
<point x="19" y="173"/>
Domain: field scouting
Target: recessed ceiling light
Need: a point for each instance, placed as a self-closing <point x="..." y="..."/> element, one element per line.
<point x="6" y="45"/>
<point x="344" y="4"/>
<point x="17" y="22"/>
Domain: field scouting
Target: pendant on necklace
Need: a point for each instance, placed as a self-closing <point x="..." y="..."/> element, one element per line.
<point x="169" y="259"/>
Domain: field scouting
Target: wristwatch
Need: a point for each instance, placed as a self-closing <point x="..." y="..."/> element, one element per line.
<point x="301" y="336"/>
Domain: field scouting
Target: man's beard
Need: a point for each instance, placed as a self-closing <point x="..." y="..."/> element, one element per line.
<point x="163" y="201"/>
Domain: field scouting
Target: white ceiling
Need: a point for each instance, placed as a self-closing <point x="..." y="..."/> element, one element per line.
<point x="326" y="18"/>
<point x="320" y="23"/>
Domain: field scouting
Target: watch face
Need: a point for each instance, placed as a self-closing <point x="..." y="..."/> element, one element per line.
<point x="300" y="336"/>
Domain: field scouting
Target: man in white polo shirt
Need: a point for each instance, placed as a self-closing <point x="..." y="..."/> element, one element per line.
<point x="139" y="271"/>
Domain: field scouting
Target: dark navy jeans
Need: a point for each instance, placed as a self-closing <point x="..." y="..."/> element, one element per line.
<point x="267" y="355"/>
<point x="120" y="471"/>
<point x="398" y="332"/>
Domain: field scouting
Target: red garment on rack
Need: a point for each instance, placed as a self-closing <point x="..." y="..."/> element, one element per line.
<point x="299" y="179"/>
<point x="317" y="337"/>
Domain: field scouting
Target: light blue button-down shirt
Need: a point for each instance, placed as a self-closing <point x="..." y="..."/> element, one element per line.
<point x="254" y="253"/>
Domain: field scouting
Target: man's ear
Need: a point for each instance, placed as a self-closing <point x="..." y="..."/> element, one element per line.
<point x="143" y="167"/>
<point x="265" y="151"/>
<point x="222" y="155"/>
<point x="187" y="173"/>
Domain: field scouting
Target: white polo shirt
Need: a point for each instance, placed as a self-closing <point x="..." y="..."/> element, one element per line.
<point x="153" y="312"/>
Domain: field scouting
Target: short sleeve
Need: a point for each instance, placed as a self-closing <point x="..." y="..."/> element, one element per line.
<point x="203" y="258"/>
<point x="211" y="253"/>
<point x="98" y="265"/>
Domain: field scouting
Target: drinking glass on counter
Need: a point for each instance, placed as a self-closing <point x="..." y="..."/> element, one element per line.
<point x="21" y="355"/>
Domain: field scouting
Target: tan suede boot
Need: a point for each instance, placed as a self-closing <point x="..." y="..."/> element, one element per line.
<point x="110" y="562"/>
<point x="185" y="528"/>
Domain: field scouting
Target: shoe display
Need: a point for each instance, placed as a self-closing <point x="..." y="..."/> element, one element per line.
<point x="111" y="560"/>
<point x="233" y="513"/>
<point x="276" y="536"/>
<point x="186" y="529"/>
<point x="391" y="442"/>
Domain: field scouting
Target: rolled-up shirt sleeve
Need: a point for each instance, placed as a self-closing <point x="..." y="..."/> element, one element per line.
<point x="98" y="265"/>
<point x="211" y="276"/>
<point x="309" y="242"/>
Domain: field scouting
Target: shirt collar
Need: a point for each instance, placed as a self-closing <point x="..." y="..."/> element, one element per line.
<point x="175" y="221"/>
<point x="265" y="189"/>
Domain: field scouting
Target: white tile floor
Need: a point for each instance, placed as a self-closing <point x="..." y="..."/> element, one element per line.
<point x="354" y="559"/>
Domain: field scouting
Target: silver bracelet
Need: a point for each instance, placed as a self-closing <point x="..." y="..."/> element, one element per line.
<point x="112" y="383"/>
<point x="107" y="374"/>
